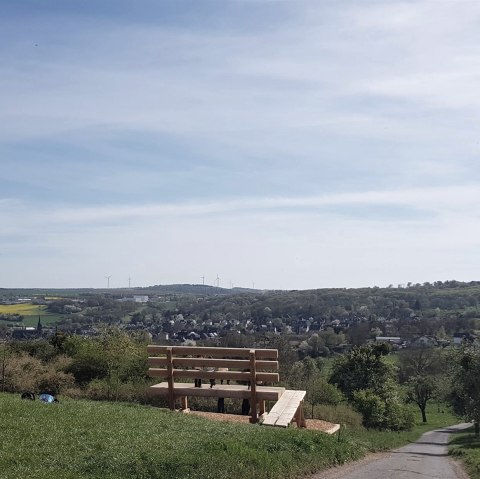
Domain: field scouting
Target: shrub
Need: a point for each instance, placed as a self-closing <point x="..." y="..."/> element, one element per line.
<point x="339" y="414"/>
<point x="382" y="411"/>
<point x="26" y="373"/>
<point x="54" y="382"/>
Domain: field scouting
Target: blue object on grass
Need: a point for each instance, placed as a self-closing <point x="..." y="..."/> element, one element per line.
<point x="47" y="398"/>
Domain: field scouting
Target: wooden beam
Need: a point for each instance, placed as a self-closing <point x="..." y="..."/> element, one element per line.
<point x="253" y="386"/>
<point x="227" y="375"/>
<point x="171" y="395"/>
<point x="213" y="363"/>
<point x="234" y="391"/>
<point x="213" y="352"/>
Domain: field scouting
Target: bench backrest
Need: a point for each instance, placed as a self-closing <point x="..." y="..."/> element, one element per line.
<point x="191" y="362"/>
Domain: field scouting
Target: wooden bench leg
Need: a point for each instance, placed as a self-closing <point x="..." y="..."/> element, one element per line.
<point x="299" y="416"/>
<point x="262" y="407"/>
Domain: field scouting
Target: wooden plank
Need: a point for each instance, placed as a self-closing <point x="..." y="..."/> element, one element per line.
<point x="200" y="374"/>
<point x="290" y="410"/>
<point x="235" y="391"/>
<point x="214" y="363"/>
<point x="299" y="416"/>
<point x="213" y="352"/>
<point x="253" y="387"/>
<point x="171" y="396"/>
<point x="285" y="409"/>
<point x="278" y="408"/>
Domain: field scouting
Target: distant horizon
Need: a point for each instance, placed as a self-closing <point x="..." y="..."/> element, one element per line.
<point x="200" y="285"/>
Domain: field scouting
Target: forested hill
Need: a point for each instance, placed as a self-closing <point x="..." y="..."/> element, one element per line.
<point x="450" y="300"/>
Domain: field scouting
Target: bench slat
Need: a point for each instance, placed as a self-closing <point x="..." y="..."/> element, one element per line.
<point x="235" y="391"/>
<point x="209" y="362"/>
<point x="200" y="374"/>
<point x="214" y="352"/>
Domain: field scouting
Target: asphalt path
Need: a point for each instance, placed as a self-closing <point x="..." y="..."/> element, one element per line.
<point x="425" y="458"/>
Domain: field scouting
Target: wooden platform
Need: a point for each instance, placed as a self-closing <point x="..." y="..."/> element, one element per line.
<point x="263" y="393"/>
<point x="288" y="407"/>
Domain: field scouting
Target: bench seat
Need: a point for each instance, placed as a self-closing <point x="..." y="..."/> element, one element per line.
<point x="236" y="391"/>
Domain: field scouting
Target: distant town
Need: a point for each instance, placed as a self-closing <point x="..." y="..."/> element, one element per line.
<point x="317" y="322"/>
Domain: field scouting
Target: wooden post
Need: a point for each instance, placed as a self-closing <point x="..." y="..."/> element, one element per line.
<point x="261" y="405"/>
<point x="253" y="386"/>
<point x="171" y="392"/>
<point x="184" y="401"/>
<point x="299" y="416"/>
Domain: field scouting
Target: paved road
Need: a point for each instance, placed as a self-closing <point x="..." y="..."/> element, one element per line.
<point x="426" y="458"/>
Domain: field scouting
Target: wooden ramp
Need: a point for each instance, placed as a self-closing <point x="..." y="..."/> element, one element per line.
<point x="288" y="407"/>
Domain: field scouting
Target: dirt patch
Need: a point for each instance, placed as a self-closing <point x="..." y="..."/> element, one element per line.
<point x="314" y="424"/>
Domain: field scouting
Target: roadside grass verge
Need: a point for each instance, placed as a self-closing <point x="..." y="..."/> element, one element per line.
<point x="466" y="446"/>
<point x="86" y="439"/>
<point x="375" y="441"/>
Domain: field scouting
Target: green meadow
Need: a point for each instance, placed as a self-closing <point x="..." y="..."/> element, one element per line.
<point x="86" y="439"/>
<point x="30" y="313"/>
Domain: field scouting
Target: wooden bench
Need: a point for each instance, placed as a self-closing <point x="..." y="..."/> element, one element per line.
<point x="251" y="368"/>
<point x="288" y="408"/>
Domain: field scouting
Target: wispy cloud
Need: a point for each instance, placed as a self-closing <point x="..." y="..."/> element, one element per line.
<point x="232" y="119"/>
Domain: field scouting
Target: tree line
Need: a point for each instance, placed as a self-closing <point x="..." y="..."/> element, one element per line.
<point x="379" y="385"/>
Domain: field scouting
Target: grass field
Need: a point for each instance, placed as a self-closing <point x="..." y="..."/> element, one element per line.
<point x="30" y="312"/>
<point x="84" y="439"/>
<point x="467" y="447"/>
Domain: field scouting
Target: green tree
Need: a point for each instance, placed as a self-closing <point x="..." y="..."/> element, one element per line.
<point x="465" y="394"/>
<point x="420" y="389"/>
<point x="368" y="382"/>
<point x="319" y="391"/>
<point x="420" y="370"/>
<point x="363" y="368"/>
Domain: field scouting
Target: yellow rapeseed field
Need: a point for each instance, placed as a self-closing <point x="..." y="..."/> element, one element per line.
<point x="26" y="309"/>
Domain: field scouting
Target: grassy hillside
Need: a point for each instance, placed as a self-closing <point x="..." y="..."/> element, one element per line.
<point x="85" y="439"/>
<point x="81" y="439"/>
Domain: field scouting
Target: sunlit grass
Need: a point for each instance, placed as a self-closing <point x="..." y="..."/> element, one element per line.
<point x="82" y="439"/>
<point x="466" y="446"/>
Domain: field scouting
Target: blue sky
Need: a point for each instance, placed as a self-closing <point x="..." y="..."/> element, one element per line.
<point x="294" y="144"/>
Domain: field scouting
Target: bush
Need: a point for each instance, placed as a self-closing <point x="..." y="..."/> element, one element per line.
<point x="340" y="414"/>
<point x="26" y="373"/>
<point x="382" y="412"/>
<point x="54" y="382"/>
<point x="323" y="392"/>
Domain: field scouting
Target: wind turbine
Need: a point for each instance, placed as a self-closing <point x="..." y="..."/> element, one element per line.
<point x="129" y="282"/>
<point x="218" y="281"/>
<point x="108" y="280"/>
